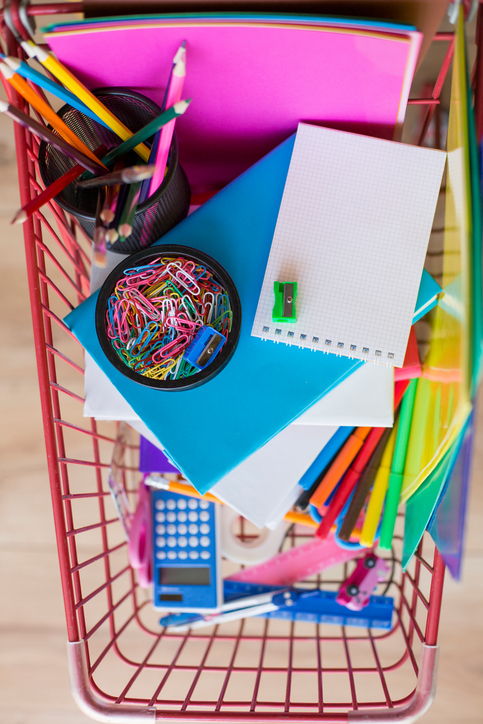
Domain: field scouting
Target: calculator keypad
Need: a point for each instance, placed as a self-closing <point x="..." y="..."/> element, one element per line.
<point x="183" y="528"/>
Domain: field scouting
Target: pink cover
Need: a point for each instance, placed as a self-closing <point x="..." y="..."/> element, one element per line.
<point x="252" y="84"/>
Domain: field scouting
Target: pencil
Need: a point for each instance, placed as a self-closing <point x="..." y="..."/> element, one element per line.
<point x="130" y="175"/>
<point x="99" y="240"/>
<point x="127" y="216"/>
<point x="55" y="188"/>
<point x="397" y="467"/>
<point x="378" y="494"/>
<point x="148" y="130"/>
<point x="362" y="490"/>
<point x="73" y="84"/>
<point x="24" y="69"/>
<point x="45" y="110"/>
<point x="174" y="95"/>
<point x="339" y="465"/>
<point x="49" y="137"/>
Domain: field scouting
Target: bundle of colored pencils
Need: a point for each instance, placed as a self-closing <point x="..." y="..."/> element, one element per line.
<point x="120" y="189"/>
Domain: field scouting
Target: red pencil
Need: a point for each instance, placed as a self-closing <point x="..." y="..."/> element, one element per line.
<point x="50" y="192"/>
<point x="355" y="471"/>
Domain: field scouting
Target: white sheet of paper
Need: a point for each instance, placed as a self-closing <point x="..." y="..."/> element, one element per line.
<point x="352" y="231"/>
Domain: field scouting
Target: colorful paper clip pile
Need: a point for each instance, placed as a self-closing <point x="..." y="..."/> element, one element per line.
<point x="156" y="311"/>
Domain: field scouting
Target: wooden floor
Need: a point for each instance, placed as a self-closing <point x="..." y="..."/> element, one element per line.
<point x="33" y="680"/>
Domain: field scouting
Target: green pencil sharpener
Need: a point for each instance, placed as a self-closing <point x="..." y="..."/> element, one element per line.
<point x="284" y="306"/>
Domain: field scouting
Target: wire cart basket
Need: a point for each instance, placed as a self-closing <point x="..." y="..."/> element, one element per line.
<point x="123" y="665"/>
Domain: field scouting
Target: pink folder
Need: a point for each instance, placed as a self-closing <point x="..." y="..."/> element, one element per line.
<point x="252" y="83"/>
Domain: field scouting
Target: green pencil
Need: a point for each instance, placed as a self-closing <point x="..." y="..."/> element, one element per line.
<point x="397" y="467"/>
<point x="147" y="131"/>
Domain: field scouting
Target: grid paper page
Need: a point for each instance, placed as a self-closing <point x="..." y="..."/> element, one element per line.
<point x="352" y="231"/>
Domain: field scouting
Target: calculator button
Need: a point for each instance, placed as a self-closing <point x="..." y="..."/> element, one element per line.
<point x="193" y="529"/>
<point x="192" y="504"/>
<point x="193" y="541"/>
<point x="160" y="529"/>
<point x="205" y="541"/>
<point x="182" y="529"/>
<point x="193" y="517"/>
<point x="205" y="555"/>
<point x="171" y="529"/>
<point x="159" y="505"/>
<point x="161" y="555"/>
<point x="171" y="555"/>
<point x="204" y="516"/>
<point x="171" y="541"/>
<point x="160" y="517"/>
<point x="170" y="517"/>
<point x="181" y="504"/>
<point x="194" y="555"/>
<point x="182" y="555"/>
<point x="182" y="542"/>
<point x="204" y="505"/>
<point x="161" y="542"/>
<point x="171" y="504"/>
<point x="204" y="529"/>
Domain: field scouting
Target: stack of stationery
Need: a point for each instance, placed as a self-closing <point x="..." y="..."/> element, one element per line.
<point x="325" y="410"/>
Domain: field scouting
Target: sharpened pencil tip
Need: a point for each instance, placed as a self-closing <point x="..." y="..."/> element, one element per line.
<point x="3" y="106"/>
<point x="6" y="71"/>
<point x="12" y="62"/>
<point x="181" y="106"/>
<point x="19" y="217"/>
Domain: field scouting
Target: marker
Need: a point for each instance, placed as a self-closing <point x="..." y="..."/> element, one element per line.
<point x="397" y="467"/>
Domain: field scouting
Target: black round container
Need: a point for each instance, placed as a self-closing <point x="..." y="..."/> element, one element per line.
<point x="143" y="257"/>
<point x="160" y="212"/>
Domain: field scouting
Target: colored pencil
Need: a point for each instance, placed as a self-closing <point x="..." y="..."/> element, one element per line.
<point x="174" y="95"/>
<point x="127" y="216"/>
<point x="353" y="475"/>
<point x="45" y="110"/>
<point x="339" y="466"/>
<point x="48" y="136"/>
<point x="55" y="188"/>
<point x="378" y="494"/>
<point x="130" y="175"/>
<point x="147" y="131"/>
<point x="23" y="69"/>
<point x="362" y="490"/>
<point x="73" y="84"/>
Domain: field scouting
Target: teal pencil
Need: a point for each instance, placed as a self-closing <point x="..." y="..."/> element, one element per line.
<point x="23" y="69"/>
<point x="397" y="467"/>
<point x="147" y="131"/>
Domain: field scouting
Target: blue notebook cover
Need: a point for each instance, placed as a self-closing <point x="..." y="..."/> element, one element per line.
<point x="210" y="429"/>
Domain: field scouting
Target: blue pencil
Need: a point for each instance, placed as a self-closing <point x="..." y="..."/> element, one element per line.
<point x="49" y="85"/>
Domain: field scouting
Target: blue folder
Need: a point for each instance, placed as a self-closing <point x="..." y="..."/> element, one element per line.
<point x="208" y="430"/>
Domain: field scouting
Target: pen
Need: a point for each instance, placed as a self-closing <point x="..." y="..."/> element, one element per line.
<point x="397" y="467"/>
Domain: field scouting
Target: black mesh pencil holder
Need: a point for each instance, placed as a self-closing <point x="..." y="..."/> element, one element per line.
<point x="155" y="216"/>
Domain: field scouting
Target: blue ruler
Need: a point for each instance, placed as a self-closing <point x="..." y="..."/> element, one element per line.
<point x="318" y="607"/>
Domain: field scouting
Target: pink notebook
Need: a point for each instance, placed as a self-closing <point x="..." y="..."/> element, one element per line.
<point x="252" y="83"/>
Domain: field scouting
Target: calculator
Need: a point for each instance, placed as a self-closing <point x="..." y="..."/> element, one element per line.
<point x="186" y="562"/>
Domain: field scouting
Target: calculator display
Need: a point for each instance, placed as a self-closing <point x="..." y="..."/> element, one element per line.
<point x="184" y="576"/>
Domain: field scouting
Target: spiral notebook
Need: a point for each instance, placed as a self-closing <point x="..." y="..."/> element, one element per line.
<point x="352" y="231"/>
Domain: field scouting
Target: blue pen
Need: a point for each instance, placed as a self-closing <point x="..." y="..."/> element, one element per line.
<point x="49" y="85"/>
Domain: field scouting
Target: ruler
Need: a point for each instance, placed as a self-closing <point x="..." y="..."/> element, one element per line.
<point x="298" y="563"/>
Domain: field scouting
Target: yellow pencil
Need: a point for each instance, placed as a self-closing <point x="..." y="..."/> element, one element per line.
<point x="46" y="111"/>
<point x="74" y="85"/>
<point x="379" y="489"/>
